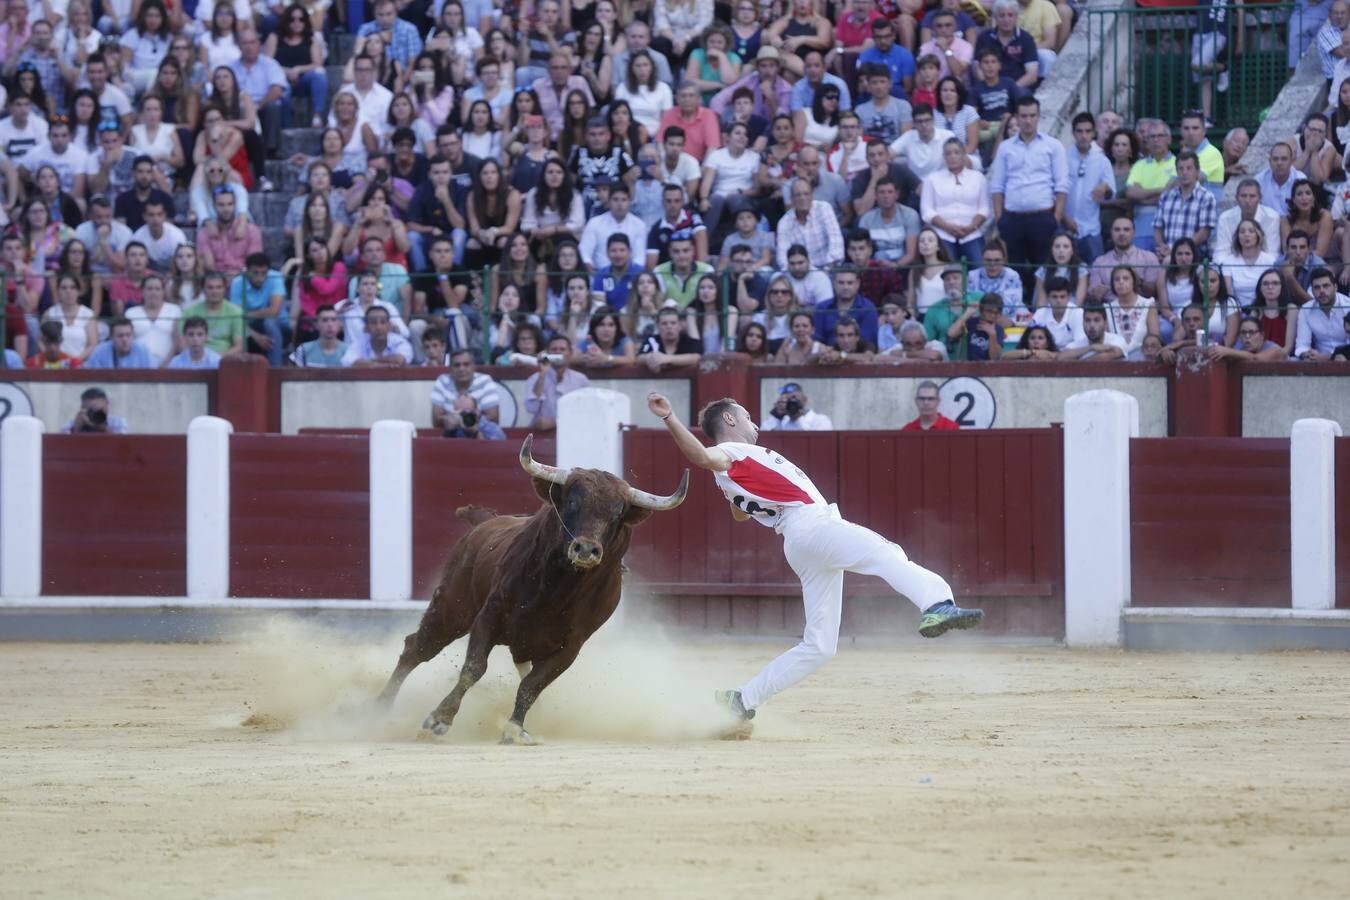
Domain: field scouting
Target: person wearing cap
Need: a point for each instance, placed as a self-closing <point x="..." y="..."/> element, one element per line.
<point x="773" y="94"/>
<point x="792" y="412"/>
<point x="940" y="323"/>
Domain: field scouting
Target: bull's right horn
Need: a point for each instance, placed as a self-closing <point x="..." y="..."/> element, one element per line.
<point x="538" y="469"/>
<point x="660" y="504"/>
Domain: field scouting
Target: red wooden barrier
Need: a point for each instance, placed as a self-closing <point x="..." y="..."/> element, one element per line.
<point x="448" y="474"/>
<point x="1209" y="521"/>
<point x="1343" y="523"/>
<point x="113" y="516"/>
<point x="299" y="516"/>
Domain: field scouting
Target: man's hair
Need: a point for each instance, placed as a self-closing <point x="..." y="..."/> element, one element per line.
<point x="376" y="309"/>
<point x="1026" y="100"/>
<point x="619" y="238"/>
<point x="1085" y="118"/>
<point x="1185" y="155"/>
<point x="667" y="311"/>
<point x="846" y="322"/>
<point x="921" y="109"/>
<point x="156" y="201"/>
<point x="100" y="200"/>
<point x="52" y="332"/>
<point x="619" y="187"/>
<point x="926" y="383"/>
<point x="194" y="322"/>
<point x="257" y="261"/>
<point x="433" y="333"/>
<point x="1094" y="308"/>
<point x="859" y="234"/>
<point x="220" y="276"/>
<point x="1321" y="272"/>
<point x="1056" y="283"/>
<point x="437" y="160"/>
<point x="461" y="352"/>
<point x="560" y="337"/>
<point x="710" y="417"/>
<point x="142" y="160"/>
<point x="874" y="70"/>
<point x="93" y="393"/>
<point x="118" y="321"/>
<point x="1296" y="233"/>
<point x="674" y="131"/>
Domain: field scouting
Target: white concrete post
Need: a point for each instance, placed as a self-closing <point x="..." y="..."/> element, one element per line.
<point x="21" y="507"/>
<point x="1312" y="513"/>
<point x="589" y="433"/>
<point x="1098" y="426"/>
<point x="208" y="508"/>
<point x="391" y="510"/>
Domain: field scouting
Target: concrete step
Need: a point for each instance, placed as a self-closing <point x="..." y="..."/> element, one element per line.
<point x="269" y="209"/>
<point x="284" y="176"/>
<point x="297" y="140"/>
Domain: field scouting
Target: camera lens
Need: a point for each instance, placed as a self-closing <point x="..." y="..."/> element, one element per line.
<point x="469" y="418"/>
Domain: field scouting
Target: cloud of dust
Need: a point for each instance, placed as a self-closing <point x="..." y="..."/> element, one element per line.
<point x="631" y="683"/>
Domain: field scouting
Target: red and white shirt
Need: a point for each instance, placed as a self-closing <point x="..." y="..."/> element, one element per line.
<point x="763" y="483"/>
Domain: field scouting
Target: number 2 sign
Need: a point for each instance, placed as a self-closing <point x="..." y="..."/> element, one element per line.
<point x="968" y="402"/>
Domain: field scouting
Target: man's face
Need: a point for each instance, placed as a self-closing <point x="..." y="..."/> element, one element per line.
<point x="1094" y="326"/>
<point x="671" y="203"/>
<point x="1084" y="133"/>
<point x="367" y="289"/>
<point x="385" y="16"/>
<point x="924" y="125"/>
<point x="845" y="286"/>
<point x="1340" y="15"/>
<point x="1248" y="198"/>
<point x="682" y="254"/>
<point x="814" y="67"/>
<point x="214" y="290"/>
<point x="489" y="76"/>
<point x="877" y="156"/>
<point x="1192" y="320"/>
<point x="59" y="136"/>
<point x="669" y="327"/>
<point x="1296" y="248"/>
<point x="224" y="204"/>
<point x="1028" y="119"/>
<point x="619" y="203"/>
<point x="884" y="38"/>
<point x="97" y="73"/>
<point x="558" y="71"/>
<point x="990" y="67"/>
<point x="450" y="146"/>
<point x="886" y="196"/>
<point x="1006" y="20"/>
<point x="403" y="153"/>
<point x="688" y="99"/>
<point x="433" y="349"/>
<point x="912" y="340"/>
<point x="951" y="288"/>
<point x="1281" y="161"/>
<point x="1058" y="299"/>
<point x="19" y="108"/>
<point x="42" y="35"/>
<point x="154" y="217"/>
<point x="859" y="252"/>
<point x="926" y="399"/>
<point x="110" y="141"/>
<point x="639" y="37"/>
<point x="123" y="337"/>
<point x="1324" y="290"/>
<point x="674" y="147"/>
<point x="249" y="45"/>
<point x="808" y="164"/>
<point x="879" y="86"/>
<point x="195" y="338"/>
<point x="462" y="370"/>
<point x="329" y="325"/>
<point x="993" y="262"/>
<point x="1107" y="122"/>
<point x="364" y="70"/>
<point x="742" y="262"/>
<point x="377" y="326"/>
<point x="597" y="139"/>
<point x="1122" y="234"/>
<point x="137" y="259"/>
<point x="373" y="255"/>
<point x="1192" y="132"/>
<point x="798" y="265"/>
<point x="801" y="196"/>
<point x="256" y="275"/>
<point x="561" y="348"/>
<point x="619" y="254"/>
<point x="95" y="404"/>
<point x="767" y="69"/>
<point x="1250" y="336"/>
<point x="846" y="336"/>
<point x="1187" y="173"/>
<point x="1158" y="140"/>
<point x="442" y="256"/>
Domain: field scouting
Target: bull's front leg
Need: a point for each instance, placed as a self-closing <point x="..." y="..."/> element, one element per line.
<point x="475" y="664"/>
<point x="540" y="676"/>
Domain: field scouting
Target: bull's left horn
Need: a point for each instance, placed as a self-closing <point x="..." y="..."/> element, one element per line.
<point x="660" y="504"/>
<point x="538" y="469"/>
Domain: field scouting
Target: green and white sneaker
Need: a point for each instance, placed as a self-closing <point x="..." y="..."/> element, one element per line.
<point x="732" y="701"/>
<point x="941" y="617"/>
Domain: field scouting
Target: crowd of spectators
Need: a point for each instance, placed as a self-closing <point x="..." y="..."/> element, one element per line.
<point x="612" y="182"/>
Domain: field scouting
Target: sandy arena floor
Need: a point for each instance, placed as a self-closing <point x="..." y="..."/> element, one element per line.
<point x="934" y="770"/>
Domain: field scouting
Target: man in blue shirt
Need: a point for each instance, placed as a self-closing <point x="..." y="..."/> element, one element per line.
<point x="804" y="91"/>
<point x="847" y="301"/>
<point x="121" y="350"/>
<point x="886" y="51"/>
<point x="260" y="291"/>
<point x="402" y="40"/>
<point x="611" y="283"/>
<point x="1091" y="181"/>
<point x="1029" y="186"/>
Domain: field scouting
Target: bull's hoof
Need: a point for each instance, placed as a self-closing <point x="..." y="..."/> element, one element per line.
<point x="514" y="734"/>
<point x="433" y="726"/>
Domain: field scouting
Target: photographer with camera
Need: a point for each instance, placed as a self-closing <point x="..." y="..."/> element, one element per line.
<point x="464" y="421"/>
<point x="553" y="379"/>
<point x="791" y="412"/>
<point x="93" y="416"/>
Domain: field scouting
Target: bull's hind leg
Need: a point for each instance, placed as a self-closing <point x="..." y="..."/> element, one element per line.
<point x="434" y="633"/>
<point x="540" y="676"/>
<point x="475" y="664"/>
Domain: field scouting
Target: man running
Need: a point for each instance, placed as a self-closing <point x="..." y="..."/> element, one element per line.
<point x="820" y="545"/>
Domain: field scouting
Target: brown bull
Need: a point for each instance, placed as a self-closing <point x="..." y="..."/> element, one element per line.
<point x="539" y="584"/>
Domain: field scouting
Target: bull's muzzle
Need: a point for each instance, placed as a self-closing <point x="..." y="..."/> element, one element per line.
<point x="583" y="553"/>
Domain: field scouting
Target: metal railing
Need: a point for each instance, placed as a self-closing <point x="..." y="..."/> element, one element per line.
<point x="1162" y="61"/>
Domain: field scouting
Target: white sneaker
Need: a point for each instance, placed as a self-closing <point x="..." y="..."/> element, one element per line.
<point x="1223" y="82"/>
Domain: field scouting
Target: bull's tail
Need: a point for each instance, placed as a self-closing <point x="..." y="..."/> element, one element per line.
<point x="475" y="515"/>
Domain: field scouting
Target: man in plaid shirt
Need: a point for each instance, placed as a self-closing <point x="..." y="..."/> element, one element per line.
<point x="812" y="223"/>
<point x="1185" y="210"/>
<point x="402" y="39"/>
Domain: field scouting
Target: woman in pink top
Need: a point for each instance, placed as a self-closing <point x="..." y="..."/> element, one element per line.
<point x="322" y="282"/>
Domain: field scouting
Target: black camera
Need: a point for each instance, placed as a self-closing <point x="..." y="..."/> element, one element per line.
<point x="96" y="416"/>
<point x="793" y="406"/>
<point x="468" y="418"/>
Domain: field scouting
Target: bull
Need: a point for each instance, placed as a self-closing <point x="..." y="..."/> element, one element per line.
<point x="539" y="584"/>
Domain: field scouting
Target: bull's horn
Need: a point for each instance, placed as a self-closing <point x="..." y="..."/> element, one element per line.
<point x="538" y="469"/>
<point x="660" y="504"/>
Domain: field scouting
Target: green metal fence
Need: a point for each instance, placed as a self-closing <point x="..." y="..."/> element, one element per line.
<point x="1161" y="62"/>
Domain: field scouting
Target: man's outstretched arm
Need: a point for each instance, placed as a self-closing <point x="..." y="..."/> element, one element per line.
<point x="709" y="458"/>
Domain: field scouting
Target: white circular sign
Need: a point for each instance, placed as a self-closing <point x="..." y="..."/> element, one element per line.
<point x="968" y="402"/>
<point x="13" y="401"/>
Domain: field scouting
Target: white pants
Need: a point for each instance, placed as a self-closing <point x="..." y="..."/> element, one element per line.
<point x="821" y="548"/>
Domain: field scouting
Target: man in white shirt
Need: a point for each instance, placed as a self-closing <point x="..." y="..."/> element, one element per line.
<point x="677" y="166"/>
<point x="105" y="238"/>
<point x="464" y="378"/>
<point x="1277" y="181"/>
<point x="1321" y="322"/>
<point x="1249" y="206"/>
<point x="372" y="99"/>
<point x="113" y="102"/>
<point x="380" y="345"/>
<point x="23" y="131"/>
<point x="1096" y="344"/>
<point x="791" y="412"/>
<point x="594" y="246"/>
<point x="921" y="146"/>
<point x="72" y="164"/>
<point x="161" y="237"/>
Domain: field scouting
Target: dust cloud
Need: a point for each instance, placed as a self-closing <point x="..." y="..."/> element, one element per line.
<point x="631" y="683"/>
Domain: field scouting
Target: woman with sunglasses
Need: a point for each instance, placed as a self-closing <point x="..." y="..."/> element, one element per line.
<point x="218" y="156"/>
<point x="302" y="56"/>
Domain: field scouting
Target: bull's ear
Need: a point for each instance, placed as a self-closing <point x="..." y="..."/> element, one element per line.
<point x="636" y="515"/>
<point x="548" y="491"/>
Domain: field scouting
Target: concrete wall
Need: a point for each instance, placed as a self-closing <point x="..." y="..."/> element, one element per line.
<point x="148" y="407"/>
<point x="347" y="404"/>
<point x="1272" y="403"/>
<point x="992" y="402"/>
<point x="1102" y="57"/>
<point x="1303" y="94"/>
